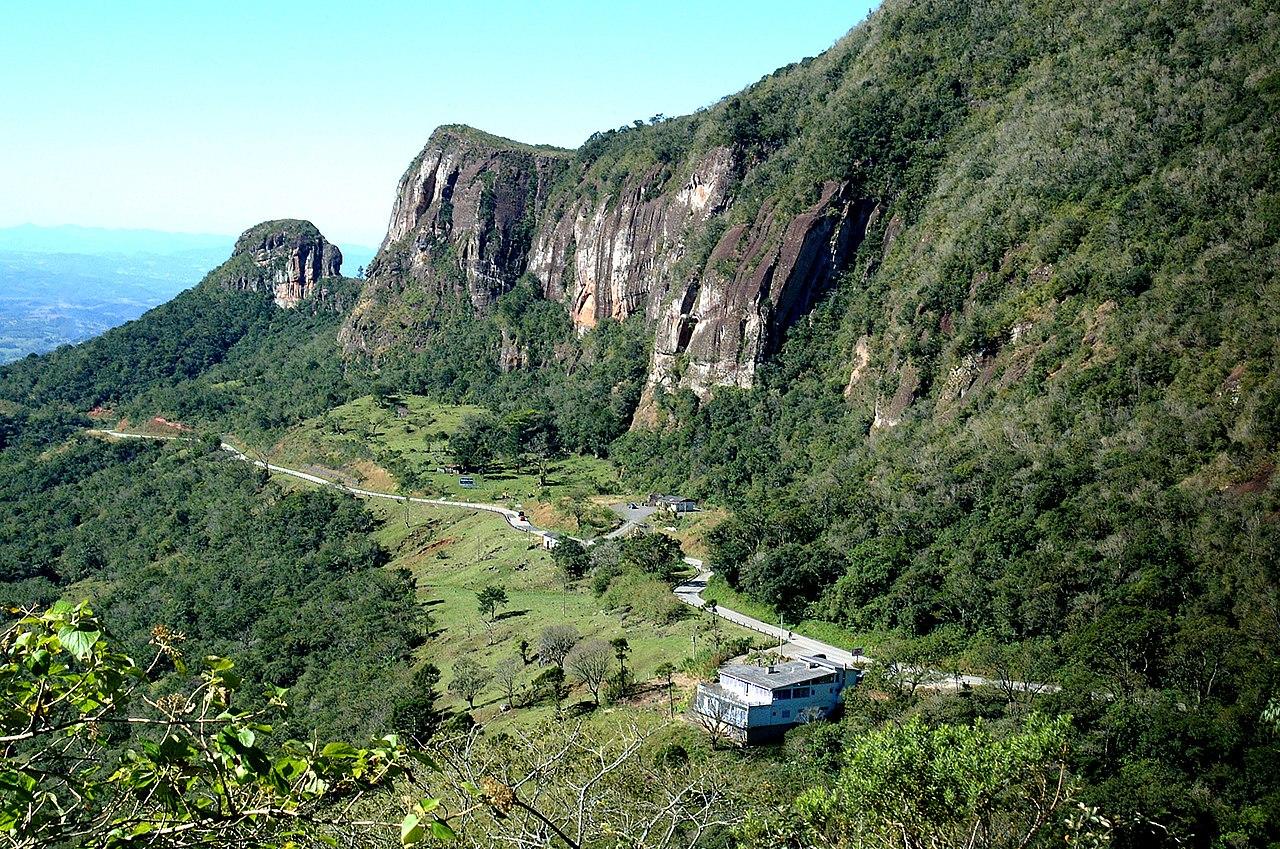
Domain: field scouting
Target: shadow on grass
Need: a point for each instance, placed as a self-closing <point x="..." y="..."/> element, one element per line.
<point x="510" y="614"/>
<point x="580" y="708"/>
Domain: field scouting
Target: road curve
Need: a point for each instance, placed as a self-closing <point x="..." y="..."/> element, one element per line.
<point x="793" y="644"/>
<point x="512" y="516"/>
<point x="689" y="592"/>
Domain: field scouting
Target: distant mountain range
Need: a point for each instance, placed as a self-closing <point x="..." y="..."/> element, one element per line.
<point x="62" y="285"/>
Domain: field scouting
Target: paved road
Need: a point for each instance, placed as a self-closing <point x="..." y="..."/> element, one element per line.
<point x="512" y="516"/>
<point x="690" y="592"/>
<point x="793" y="644"/>
<point x="631" y="518"/>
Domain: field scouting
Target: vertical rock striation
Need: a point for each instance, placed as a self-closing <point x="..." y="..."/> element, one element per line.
<point x="473" y="214"/>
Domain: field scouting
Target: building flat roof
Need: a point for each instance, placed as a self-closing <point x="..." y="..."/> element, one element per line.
<point x="784" y="674"/>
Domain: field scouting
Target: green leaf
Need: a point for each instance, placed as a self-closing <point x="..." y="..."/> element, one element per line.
<point x="338" y="750"/>
<point x="218" y="664"/>
<point x="411" y="830"/>
<point x="440" y="830"/>
<point x="79" y="643"/>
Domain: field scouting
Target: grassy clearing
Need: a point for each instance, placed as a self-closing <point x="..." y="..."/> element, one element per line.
<point x="382" y="446"/>
<point x="691" y="529"/>
<point x="453" y="554"/>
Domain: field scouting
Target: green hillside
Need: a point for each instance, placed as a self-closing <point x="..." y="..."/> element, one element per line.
<point x="1026" y="429"/>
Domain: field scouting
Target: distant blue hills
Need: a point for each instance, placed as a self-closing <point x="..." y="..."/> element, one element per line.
<point x="73" y="239"/>
<point x="61" y="285"/>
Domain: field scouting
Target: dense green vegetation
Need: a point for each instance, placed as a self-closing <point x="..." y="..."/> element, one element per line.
<point x="1078" y="463"/>
<point x="589" y="386"/>
<point x="1032" y="433"/>
<point x="219" y="358"/>
<point x="288" y="582"/>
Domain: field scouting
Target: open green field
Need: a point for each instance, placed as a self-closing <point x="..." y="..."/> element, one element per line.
<point x="402" y="446"/>
<point x="453" y="554"/>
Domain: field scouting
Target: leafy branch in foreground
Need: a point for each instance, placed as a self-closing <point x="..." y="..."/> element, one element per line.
<point x="914" y="787"/>
<point x="92" y="757"/>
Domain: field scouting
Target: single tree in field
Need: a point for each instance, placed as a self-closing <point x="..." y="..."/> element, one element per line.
<point x="507" y="675"/>
<point x="551" y="683"/>
<point x="490" y="599"/>
<point x="657" y="554"/>
<point x="555" y="643"/>
<point x="590" y="663"/>
<point x="713" y="622"/>
<point x="469" y="680"/>
<point x="668" y="671"/>
<point x="716" y="716"/>
<point x="571" y="558"/>
<point x="539" y="448"/>
<point x="524" y="651"/>
<point x="621" y="649"/>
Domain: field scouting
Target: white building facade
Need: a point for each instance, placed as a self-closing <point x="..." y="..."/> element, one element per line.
<point x="755" y="703"/>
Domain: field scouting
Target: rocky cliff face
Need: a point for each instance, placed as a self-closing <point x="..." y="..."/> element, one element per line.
<point x="474" y="213"/>
<point x="288" y="259"/>
<point x="462" y="224"/>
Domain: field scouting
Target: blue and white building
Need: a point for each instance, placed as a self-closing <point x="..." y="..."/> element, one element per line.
<point x="756" y="703"/>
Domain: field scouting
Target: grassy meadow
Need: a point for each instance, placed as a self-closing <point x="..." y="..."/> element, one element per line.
<point x="402" y="446"/>
<point x="453" y="554"/>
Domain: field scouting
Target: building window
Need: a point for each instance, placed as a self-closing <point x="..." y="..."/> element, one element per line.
<point x="779" y="695"/>
<point x="800" y="693"/>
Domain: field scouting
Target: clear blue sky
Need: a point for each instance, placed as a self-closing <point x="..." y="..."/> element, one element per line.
<point x="210" y="117"/>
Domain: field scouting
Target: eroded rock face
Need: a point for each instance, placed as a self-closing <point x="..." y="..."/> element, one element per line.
<point x="289" y="259"/>
<point x="760" y="278"/>
<point x="463" y="223"/>
<point x="614" y="256"/>
<point x="473" y="214"/>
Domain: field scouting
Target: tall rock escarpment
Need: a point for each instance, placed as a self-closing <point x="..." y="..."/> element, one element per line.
<point x="473" y="214"/>
<point x="461" y="229"/>
<point x="288" y="259"/>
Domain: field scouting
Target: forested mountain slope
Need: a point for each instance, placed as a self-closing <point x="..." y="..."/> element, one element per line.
<point x="972" y="320"/>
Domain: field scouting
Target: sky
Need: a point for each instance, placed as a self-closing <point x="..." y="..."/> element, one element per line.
<point x="208" y="117"/>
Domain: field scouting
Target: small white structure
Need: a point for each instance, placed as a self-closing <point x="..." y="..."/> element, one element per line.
<point x="755" y="703"/>
<point x="675" y="504"/>
<point x="550" y="539"/>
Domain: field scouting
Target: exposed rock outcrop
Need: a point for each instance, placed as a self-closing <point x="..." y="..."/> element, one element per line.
<point x="761" y="277"/>
<point x="462" y="224"/>
<point x="288" y="259"/>
<point x="614" y="255"/>
<point x="475" y="213"/>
